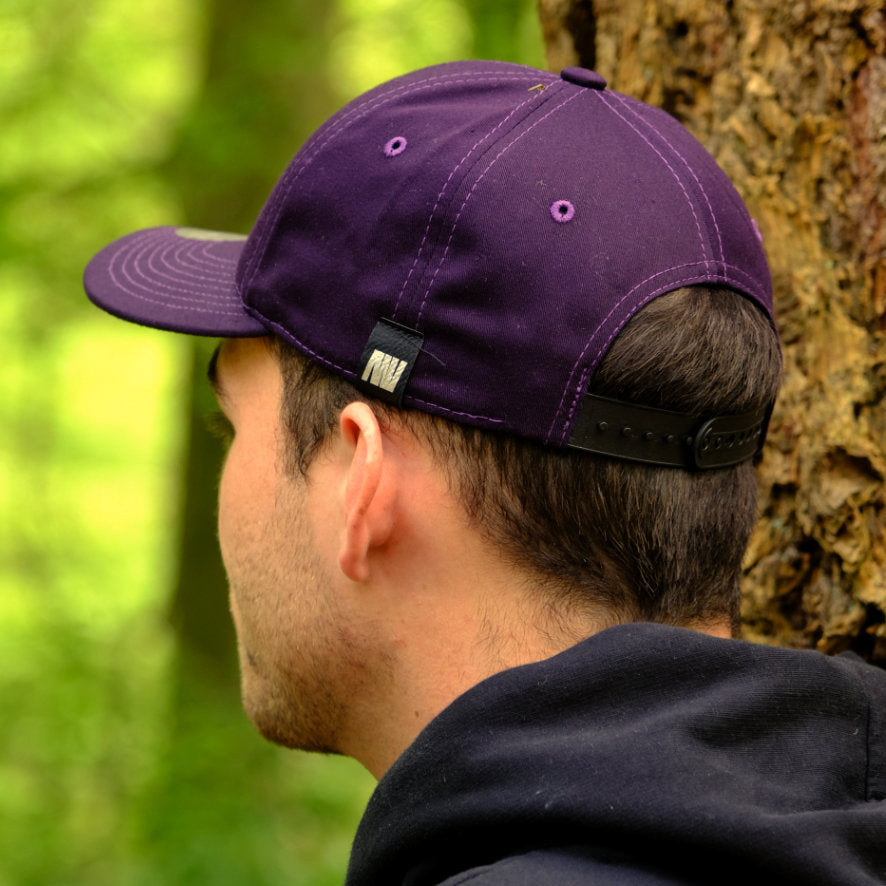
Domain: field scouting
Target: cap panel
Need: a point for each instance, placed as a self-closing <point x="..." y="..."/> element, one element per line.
<point x="510" y="112"/>
<point x="352" y="230"/>
<point x="732" y="231"/>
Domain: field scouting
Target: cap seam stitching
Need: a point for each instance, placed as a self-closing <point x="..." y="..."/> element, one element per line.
<point x="124" y="264"/>
<point x="343" y="122"/>
<point x="437" y="202"/>
<point x="706" y="252"/>
<point x="688" y="166"/>
<point x="437" y="406"/>
<point x="474" y="187"/>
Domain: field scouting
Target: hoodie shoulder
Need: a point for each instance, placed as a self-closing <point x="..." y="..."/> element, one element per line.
<point x="872" y="683"/>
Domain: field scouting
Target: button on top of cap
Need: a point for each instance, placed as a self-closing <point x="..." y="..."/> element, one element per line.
<point x="583" y="77"/>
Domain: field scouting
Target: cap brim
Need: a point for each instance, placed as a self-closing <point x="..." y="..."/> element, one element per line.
<point x="180" y="279"/>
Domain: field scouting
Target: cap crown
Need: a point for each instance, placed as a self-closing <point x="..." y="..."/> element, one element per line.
<point x="515" y="219"/>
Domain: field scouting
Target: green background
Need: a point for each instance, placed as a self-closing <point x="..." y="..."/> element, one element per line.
<point x="124" y="754"/>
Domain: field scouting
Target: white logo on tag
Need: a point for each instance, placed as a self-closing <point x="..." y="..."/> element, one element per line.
<point x="383" y="370"/>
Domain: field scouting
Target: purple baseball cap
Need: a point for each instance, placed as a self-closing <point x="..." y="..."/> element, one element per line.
<point x="468" y="240"/>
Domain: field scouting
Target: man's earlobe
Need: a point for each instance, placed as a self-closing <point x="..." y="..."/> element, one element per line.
<point x="368" y="492"/>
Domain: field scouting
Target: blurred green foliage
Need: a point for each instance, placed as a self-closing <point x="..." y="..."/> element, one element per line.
<point x="112" y="768"/>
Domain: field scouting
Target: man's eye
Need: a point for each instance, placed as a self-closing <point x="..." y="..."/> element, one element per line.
<point x="219" y="425"/>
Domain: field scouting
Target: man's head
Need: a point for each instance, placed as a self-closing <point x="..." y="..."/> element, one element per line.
<point x="600" y="535"/>
<point x="550" y="287"/>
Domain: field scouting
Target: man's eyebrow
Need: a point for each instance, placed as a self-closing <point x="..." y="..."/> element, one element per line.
<point x="212" y="372"/>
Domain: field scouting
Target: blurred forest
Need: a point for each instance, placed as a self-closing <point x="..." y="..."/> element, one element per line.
<point x="124" y="755"/>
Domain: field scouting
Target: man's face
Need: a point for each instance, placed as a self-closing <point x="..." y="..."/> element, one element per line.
<point x="282" y="599"/>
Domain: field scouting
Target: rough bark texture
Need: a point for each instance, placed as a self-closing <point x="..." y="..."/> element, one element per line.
<point x="791" y="99"/>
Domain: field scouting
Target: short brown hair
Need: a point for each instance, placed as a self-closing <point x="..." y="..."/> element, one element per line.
<point x="645" y="543"/>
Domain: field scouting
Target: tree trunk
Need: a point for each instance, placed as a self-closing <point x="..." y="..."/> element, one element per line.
<point x="791" y="100"/>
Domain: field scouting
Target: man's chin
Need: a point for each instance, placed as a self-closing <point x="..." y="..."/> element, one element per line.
<point x="283" y="725"/>
<point x="274" y="732"/>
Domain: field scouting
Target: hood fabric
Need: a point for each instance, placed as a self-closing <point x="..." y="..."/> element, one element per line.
<point x="644" y="755"/>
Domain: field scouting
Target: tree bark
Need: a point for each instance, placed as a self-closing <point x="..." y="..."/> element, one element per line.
<point x="791" y="100"/>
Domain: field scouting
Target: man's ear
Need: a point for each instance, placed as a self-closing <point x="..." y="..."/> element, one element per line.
<point x="368" y="492"/>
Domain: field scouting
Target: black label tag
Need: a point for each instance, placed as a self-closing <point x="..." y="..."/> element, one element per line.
<point x="388" y="360"/>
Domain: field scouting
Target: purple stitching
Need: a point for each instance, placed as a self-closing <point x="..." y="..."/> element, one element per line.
<point x="424" y="238"/>
<point x="427" y="231"/>
<point x="701" y="239"/>
<point x="125" y="270"/>
<point x="633" y="110"/>
<point x="319" y="140"/>
<point x="496" y="421"/>
<point x="136" y="258"/>
<point x="578" y="389"/>
<point x="287" y="334"/>
<point x="330" y="132"/>
<point x="470" y="193"/>
<point x="189" y="264"/>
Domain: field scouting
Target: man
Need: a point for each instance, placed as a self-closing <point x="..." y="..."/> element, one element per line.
<point x="499" y="357"/>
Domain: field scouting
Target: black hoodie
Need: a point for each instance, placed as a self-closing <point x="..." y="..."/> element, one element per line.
<point x="644" y="756"/>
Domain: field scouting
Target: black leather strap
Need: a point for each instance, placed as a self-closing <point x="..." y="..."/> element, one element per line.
<point x="665" y="438"/>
